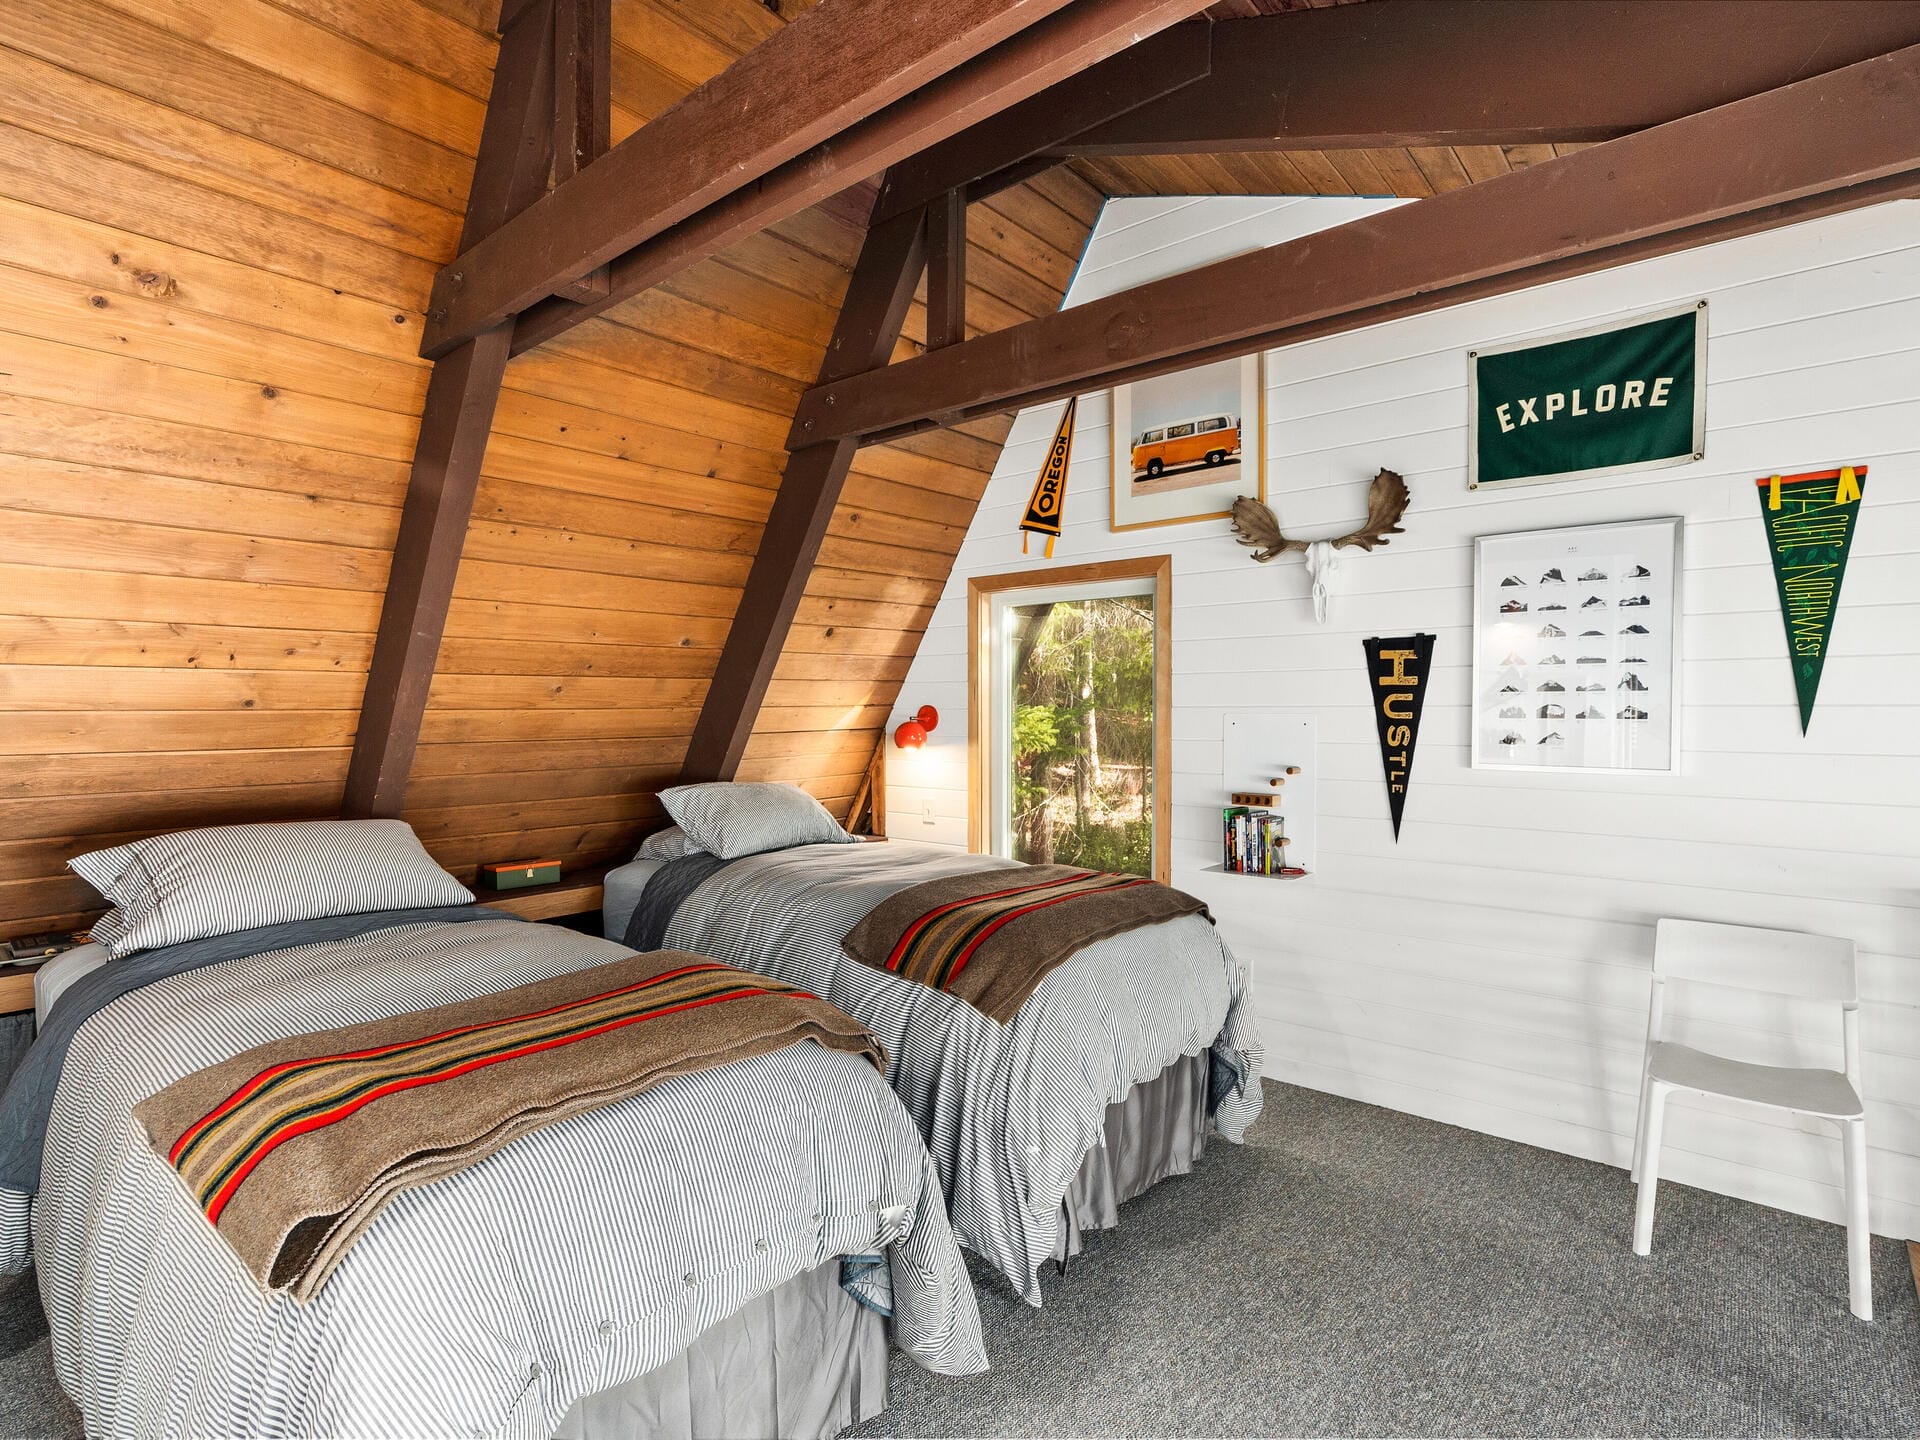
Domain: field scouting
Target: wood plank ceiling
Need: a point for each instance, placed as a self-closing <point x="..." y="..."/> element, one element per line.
<point x="1408" y="172"/>
<point x="1411" y="173"/>
<point x="218" y="224"/>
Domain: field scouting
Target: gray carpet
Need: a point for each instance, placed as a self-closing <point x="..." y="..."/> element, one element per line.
<point x="1355" y="1271"/>
<point x="30" y="1399"/>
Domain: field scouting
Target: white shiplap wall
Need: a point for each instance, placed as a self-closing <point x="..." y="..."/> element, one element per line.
<point x="1490" y="970"/>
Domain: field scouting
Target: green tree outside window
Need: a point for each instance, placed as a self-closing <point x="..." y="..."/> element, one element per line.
<point x="1082" y="734"/>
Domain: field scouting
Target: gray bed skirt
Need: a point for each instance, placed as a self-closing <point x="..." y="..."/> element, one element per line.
<point x="1158" y="1130"/>
<point x="802" y="1362"/>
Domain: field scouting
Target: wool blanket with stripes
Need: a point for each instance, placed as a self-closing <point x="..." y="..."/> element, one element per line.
<point x="989" y="938"/>
<point x="293" y="1148"/>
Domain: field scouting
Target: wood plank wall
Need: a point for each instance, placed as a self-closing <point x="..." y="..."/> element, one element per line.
<point x="218" y="221"/>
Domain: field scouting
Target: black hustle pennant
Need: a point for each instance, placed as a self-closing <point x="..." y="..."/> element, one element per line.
<point x="1046" y="505"/>
<point x="1397" y="671"/>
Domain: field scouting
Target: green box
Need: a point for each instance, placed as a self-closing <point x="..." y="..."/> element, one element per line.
<point x="520" y="874"/>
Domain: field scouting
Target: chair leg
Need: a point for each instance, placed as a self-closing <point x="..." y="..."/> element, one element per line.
<point x="1853" y="1134"/>
<point x="1640" y="1128"/>
<point x="1656" y="1107"/>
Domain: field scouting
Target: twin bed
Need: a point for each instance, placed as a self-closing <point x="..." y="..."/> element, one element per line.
<point x="719" y="1247"/>
<point x="1101" y="1085"/>
<point x="555" y="1287"/>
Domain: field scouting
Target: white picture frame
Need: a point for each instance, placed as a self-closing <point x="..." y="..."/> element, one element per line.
<point x="1189" y="488"/>
<point x="1584" y="675"/>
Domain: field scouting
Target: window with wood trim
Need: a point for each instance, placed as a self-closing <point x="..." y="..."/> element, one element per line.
<point x="1069" y="709"/>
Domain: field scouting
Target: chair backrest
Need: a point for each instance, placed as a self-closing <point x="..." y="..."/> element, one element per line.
<point x="1745" y="957"/>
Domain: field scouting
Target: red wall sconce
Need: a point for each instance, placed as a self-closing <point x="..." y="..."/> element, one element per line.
<point x="912" y="734"/>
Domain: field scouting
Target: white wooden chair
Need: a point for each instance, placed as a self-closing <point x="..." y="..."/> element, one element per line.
<point x="1777" y="962"/>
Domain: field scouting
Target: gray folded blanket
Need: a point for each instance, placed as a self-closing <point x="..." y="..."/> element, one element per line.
<point x="667" y="889"/>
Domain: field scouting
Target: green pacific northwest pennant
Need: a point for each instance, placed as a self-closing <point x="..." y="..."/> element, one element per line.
<point x="1810" y="524"/>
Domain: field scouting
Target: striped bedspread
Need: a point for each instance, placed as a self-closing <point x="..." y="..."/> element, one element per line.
<point x="1008" y="1111"/>
<point x="583" y="1254"/>
<point x="292" y="1149"/>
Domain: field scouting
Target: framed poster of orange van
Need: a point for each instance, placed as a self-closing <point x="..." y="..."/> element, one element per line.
<point x="1186" y="445"/>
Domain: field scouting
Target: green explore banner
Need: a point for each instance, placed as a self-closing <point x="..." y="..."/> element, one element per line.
<point x="1597" y="402"/>
<point x="1810" y="524"/>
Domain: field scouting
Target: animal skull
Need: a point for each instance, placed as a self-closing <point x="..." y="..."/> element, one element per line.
<point x="1257" y="527"/>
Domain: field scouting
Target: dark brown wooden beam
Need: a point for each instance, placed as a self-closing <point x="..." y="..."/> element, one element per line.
<point x="1905" y="186"/>
<point x="1009" y="176"/>
<point x="582" y="104"/>
<point x="947" y="270"/>
<point x="516" y="155"/>
<point x="1160" y="65"/>
<point x="510" y="12"/>
<point x="1494" y="72"/>
<point x="853" y="206"/>
<point x="1848" y="138"/>
<point x="516" y="137"/>
<point x="1051" y="51"/>
<point x="461" y="396"/>
<point x="884" y="279"/>
<point x="830" y="69"/>
<point x="582" y="90"/>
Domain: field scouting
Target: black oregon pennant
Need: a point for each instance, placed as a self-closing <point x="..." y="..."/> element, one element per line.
<point x="1049" y="496"/>
<point x="1810" y="525"/>
<point x="1397" y="675"/>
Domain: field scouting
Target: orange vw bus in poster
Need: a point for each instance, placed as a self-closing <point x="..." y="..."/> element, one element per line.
<point x="1202" y="442"/>
<point x="1185" y="445"/>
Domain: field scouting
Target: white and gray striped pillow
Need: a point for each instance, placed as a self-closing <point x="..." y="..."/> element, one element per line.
<point x="730" y="819"/>
<point x="672" y="843"/>
<point x="195" y="883"/>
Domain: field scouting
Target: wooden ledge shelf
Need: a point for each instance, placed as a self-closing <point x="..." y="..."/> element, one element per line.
<point x="574" y="894"/>
<point x="16" y="992"/>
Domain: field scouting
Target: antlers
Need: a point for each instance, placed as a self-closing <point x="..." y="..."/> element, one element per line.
<point x="1387" y="501"/>
<point x="1255" y="524"/>
<point x="1387" y="498"/>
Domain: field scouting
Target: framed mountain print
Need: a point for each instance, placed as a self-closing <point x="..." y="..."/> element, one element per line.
<point x="1576" y="648"/>
<point x="1185" y="446"/>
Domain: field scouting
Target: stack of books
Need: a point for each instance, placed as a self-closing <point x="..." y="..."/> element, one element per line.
<point x="27" y="952"/>
<point x="1253" y="840"/>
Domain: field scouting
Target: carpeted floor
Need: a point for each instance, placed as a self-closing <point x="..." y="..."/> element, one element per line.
<point x="1356" y="1271"/>
<point x="30" y="1399"/>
